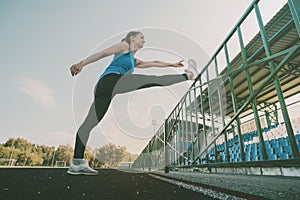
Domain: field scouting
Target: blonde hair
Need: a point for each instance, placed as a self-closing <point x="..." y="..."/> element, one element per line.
<point x="131" y="33"/>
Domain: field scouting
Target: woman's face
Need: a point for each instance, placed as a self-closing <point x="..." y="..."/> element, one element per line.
<point x="139" y="40"/>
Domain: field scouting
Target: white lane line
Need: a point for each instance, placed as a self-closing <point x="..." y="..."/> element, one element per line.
<point x="205" y="191"/>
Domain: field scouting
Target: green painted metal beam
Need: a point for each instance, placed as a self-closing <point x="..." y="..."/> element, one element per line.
<point x="166" y="147"/>
<point x="295" y="10"/>
<point x="285" y="114"/>
<point x="254" y="104"/>
<point x="234" y="104"/>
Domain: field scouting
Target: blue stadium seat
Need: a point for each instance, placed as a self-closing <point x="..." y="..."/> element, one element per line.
<point x="254" y="153"/>
<point x="254" y="146"/>
<point x="282" y="142"/>
<point x="273" y="126"/>
<point x="223" y="146"/>
<point x="268" y="145"/>
<point x="235" y="139"/>
<point x="248" y="158"/>
<point x="254" y="133"/>
<point x="267" y="142"/>
<point x="258" y="146"/>
<point x="288" y="150"/>
<point x="278" y="150"/>
<point x="255" y="158"/>
<point x="273" y="142"/>
<point x="272" y="157"/>
<point x="283" y="156"/>
<point x="270" y="151"/>
<point x="298" y="139"/>
<point x="280" y="139"/>
<point x="222" y="156"/>
<point x="219" y="148"/>
<point x="287" y="139"/>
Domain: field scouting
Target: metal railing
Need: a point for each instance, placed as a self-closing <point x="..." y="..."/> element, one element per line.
<point x="205" y="125"/>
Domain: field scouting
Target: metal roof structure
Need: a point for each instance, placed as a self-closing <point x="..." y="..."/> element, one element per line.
<point x="282" y="34"/>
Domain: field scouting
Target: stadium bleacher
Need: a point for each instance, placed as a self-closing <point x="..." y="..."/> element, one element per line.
<point x="276" y="143"/>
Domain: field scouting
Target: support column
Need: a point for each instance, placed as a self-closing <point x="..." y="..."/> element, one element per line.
<point x="285" y="114"/>
<point x="271" y="114"/>
<point x="222" y="113"/>
<point x="254" y="103"/>
<point x="295" y="10"/>
<point x="203" y="115"/>
<point x="167" y="156"/>
<point x="234" y="104"/>
<point x="149" y="157"/>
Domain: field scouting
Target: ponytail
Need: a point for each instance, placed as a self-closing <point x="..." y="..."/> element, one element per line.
<point x="131" y="33"/>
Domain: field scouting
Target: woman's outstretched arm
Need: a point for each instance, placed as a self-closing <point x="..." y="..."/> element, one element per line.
<point x="146" y="64"/>
<point x="121" y="47"/>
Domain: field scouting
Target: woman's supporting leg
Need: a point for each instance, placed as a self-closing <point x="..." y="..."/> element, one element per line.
<point x="96" y="113"/>
<point x="84" y="131"/>
<point x="103" y="97"/>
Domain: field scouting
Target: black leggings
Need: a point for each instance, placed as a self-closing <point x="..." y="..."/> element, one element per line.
<point x="106" y="88"/>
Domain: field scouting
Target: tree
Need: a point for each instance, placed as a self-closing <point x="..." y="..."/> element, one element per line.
<point x="47" y="154"/>
<point x="129" y="157"/>
<point x="89" y="156"/>
<point x="22" y="157"/>
<point x="4" y="152"/>
<point x="34" y="159"/>
<point x="110" y="154"/>
<point x="19" y="143"/>
<point x="28" y="154"/>
<point x="64" y="153"/>
<point x="21" y="149"/>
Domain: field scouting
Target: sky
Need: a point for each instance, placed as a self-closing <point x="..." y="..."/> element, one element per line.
<point x="40" y="40"/>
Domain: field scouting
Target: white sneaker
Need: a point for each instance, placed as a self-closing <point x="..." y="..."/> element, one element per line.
<point x="192" y="70"/>
<point x="80" y="166"/>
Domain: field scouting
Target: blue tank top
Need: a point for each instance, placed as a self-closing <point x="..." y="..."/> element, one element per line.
<point x="121" y="64"/>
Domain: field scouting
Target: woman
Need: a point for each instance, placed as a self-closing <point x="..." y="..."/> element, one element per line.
<point x="116" y="79"/>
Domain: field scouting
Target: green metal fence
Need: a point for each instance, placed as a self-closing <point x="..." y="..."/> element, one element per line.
<point x="205" y="126"/>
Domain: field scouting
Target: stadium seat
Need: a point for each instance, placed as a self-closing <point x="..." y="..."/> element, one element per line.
<point x="270" y="151"/>
<point x="283" y="156"/>
<point x="273" y="142"/>
<point x="255" y="158"/>
<point x="272" y="157"/>
<point x="298" y="139"/>
<point x="281" y="139"/>
<point x="278" y="150"/>
<point x="288" y="150"/>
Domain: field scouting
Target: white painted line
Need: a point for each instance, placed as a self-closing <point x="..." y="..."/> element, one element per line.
<point x="195" y="188"/>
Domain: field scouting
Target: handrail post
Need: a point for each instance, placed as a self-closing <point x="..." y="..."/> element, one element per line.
<point x="234" y="105"/>
<point x="166" y="133"/>
<point x="254" y="103"/>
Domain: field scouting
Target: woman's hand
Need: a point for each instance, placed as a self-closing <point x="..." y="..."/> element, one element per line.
<point x="178" y="64"/>
<point x="76" y="68"/>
